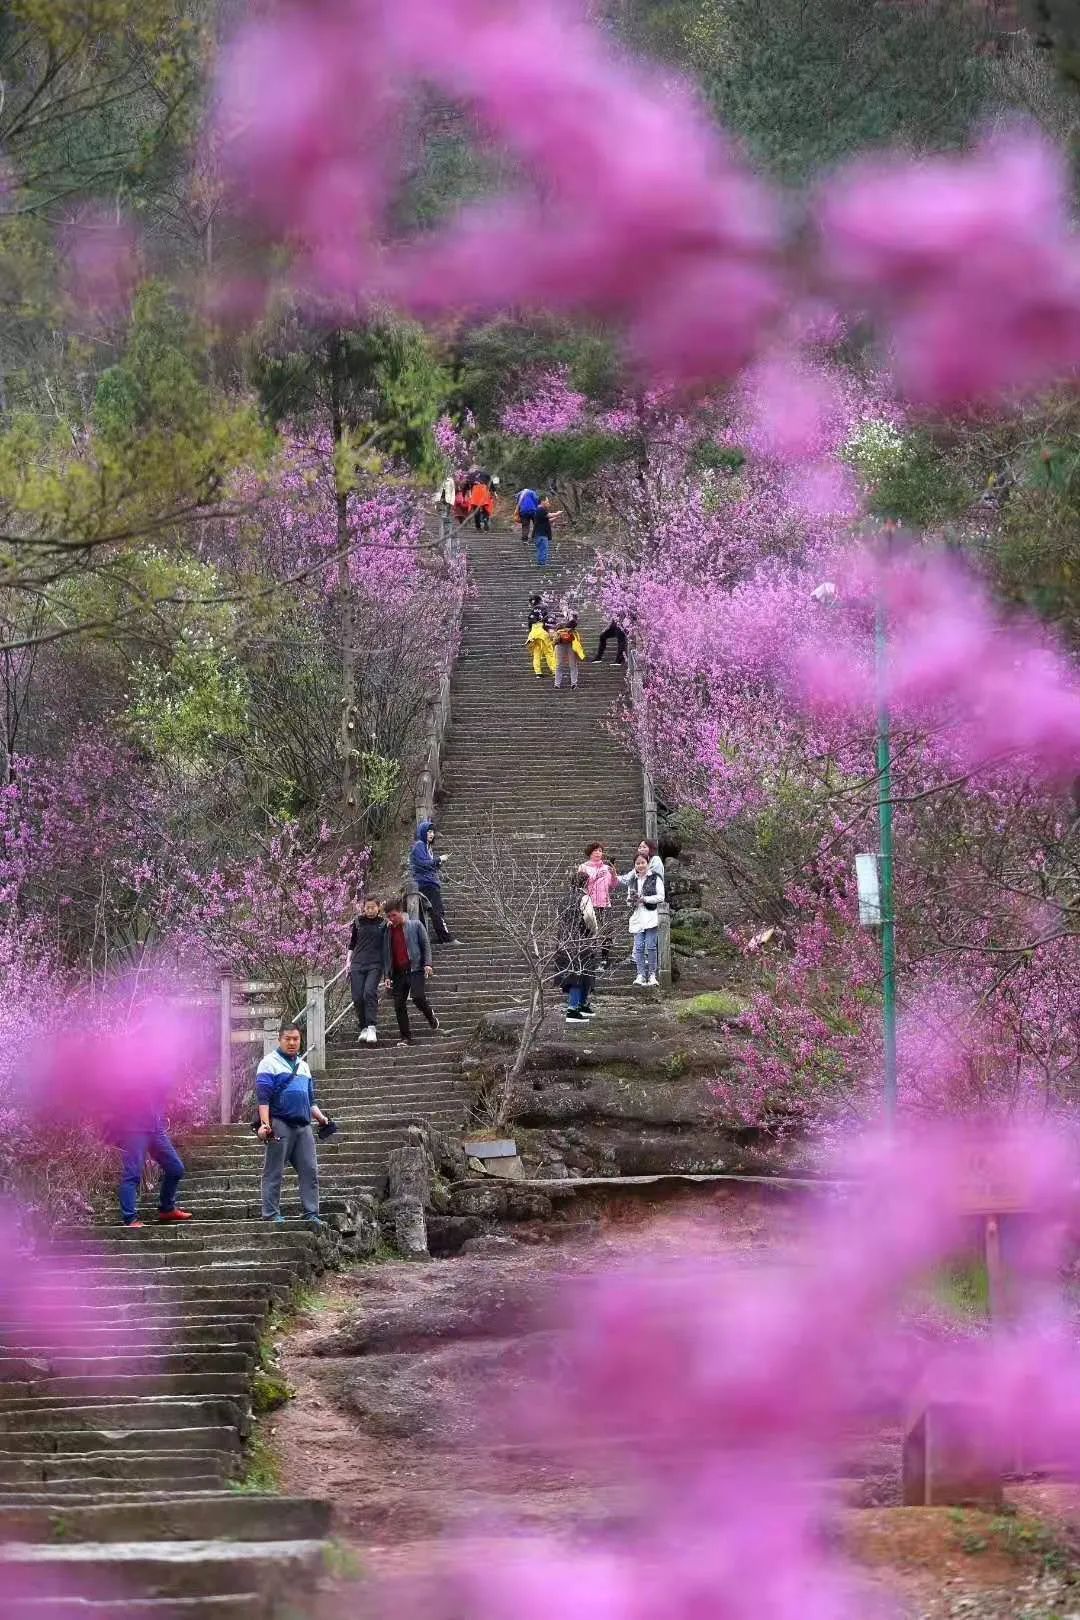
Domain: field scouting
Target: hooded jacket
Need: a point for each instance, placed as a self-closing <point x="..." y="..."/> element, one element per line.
<point x="425" y="865"/>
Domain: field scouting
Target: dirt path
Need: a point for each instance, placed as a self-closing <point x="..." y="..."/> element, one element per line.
<point x="405" y="1376"/>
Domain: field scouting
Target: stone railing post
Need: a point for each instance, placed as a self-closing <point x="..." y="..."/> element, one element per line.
<point x="648" y="791"/>
<point x="316" y="1021"/>
<point x="225" y="1045"/>
<point x="664" y="947"/>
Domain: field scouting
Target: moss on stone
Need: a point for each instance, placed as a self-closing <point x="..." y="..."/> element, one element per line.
<point x="710" y="1004"/>
<point x="268" y="1392"/>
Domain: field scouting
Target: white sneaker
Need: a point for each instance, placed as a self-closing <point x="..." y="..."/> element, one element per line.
<point x="372" y="1036"/>
<point x="652" y="982"/>
<point x="641" y="981"/>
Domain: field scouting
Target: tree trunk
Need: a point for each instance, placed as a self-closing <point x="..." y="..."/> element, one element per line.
<point x="533" y="1019"/>
<point x="347" y="742"/>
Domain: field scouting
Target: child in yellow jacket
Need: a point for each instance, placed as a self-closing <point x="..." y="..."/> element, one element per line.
<point x="543" y="648"/>
<point x="569" y="651"/>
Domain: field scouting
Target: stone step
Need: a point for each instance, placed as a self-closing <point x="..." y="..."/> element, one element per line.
<point x="228" y="1515"/>
<point x="125" y="1386"/>
<point x="96" y="1453"/>
<point x="61" y="1423"/>
<point x="96" y="1487"/>
<point x="203" y="1359"/>
<point x="164" y="1569"/>
<point x="231" y="1606"/>
<point x="137" y="1342"/>
<point x="144" y="1264"/>
<point x="165" y="1465"/>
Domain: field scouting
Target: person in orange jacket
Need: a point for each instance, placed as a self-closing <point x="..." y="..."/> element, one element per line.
<point x="482" y="501"/>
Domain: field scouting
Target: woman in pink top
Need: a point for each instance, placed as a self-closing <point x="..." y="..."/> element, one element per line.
<point x="602" y="879"/>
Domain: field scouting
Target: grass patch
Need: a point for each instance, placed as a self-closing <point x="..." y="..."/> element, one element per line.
<point x="964" y="1287"/>
<point x="723" y="1004"/>
<point x="342" y="1561"/>
<point x="262" y="1468"/>
<point x="1051" y="1547"/>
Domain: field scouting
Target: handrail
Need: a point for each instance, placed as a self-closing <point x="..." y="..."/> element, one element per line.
<point x="652" y="817"/>
<point x="340" y="974"/>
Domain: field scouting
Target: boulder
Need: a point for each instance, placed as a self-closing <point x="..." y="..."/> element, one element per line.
<point x="696" y="917"/>
<point x="490" y="1243"/>
<point x="448" y="1234"/>
<point x="405" y="1219"/>
<point x="609" y="1097"/>
<point x="409" y="1169"/>
<point x="479" y="1198"/>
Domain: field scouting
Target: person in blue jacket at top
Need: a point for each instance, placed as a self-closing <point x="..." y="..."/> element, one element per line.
<point x="425" y="866"/>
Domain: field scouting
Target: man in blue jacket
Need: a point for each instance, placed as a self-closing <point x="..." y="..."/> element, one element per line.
<point x="425" y="866"/>
<point x="285" y="1092"/>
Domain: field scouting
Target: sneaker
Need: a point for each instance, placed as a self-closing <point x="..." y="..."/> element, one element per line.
<point x="274" y="1220"/>
<point x="373" y="1036"/>
<point x="653" y="982"/>
<point x="641" y="981"/>
<point x="437" y="1027"/>
<point x="166" y="1217"/>
<point x="590" y="1012"/>
<point x="575" y="1017"/>
<point x="404" y="1040"/>
<point x="134" y="1226"/>
<point x="314" y="1220"/>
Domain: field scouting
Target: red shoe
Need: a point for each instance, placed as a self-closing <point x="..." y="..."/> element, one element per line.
<point x="167" y="1216"/>
<point x="134" y="1226"/>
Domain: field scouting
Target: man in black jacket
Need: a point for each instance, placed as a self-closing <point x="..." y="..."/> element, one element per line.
<point x="366" y="963"/>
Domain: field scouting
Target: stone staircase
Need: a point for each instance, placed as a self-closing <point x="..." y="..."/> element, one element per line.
<point x="140" y="1433"/>
<point x="548" y="769"/>
<point x="120" y="1440"/>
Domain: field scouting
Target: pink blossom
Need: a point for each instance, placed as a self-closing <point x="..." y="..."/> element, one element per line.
<point x="1002" y="685"/>
<point x="643" y="214"/>
<point x="972" y="261"/>
<point x="100" y="253"/>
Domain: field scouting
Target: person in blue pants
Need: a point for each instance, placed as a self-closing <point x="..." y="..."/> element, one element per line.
<point x="137" y="1144"/>
<point x="542" y="520"/>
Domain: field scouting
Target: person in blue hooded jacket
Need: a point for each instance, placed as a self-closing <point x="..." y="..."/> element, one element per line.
<point x="425" y="866"/>
<point x="285" y="1093"/>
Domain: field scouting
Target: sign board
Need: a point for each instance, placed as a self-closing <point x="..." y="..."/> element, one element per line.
<point x="866" y="877"/>
<point x="990" y="1182"/>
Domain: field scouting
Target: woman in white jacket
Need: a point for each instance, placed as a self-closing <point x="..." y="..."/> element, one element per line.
<point x="646" y="896"/>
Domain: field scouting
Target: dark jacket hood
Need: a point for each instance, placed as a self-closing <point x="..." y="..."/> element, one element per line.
<point x="422" y="831"/>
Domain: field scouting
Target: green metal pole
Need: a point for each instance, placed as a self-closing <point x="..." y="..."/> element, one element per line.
<point x="885" y="819"/>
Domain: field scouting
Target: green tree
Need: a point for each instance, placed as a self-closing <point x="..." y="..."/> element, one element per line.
<point x="83" y="498"/>
<point x="806" y="85"/>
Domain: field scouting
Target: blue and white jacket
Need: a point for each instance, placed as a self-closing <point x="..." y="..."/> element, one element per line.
<point x="286" y="1084"/>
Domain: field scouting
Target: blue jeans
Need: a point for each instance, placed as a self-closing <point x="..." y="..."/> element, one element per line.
<point x="135" y="1149"/>
<point x="542" y="544"/>
<point x="575" y="997"/>
<point x="647" y="952"/>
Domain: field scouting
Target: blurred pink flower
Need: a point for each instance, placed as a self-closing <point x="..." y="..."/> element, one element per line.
<point x="972" y="261"/>
<point x="101" y="260"/>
